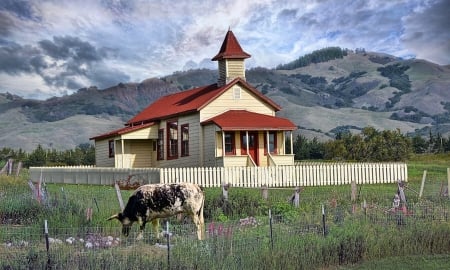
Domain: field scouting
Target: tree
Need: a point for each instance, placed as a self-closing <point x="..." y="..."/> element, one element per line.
<point x="370" y="145"/>
<point x="37" y="158"/>
<point x="419" y="144"/>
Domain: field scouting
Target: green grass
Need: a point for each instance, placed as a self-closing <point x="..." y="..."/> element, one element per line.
<point x="354" y="241"/>
<point x="436" y="262"/>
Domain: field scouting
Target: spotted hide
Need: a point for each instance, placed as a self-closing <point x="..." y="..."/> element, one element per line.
<point x="155" y="201"/>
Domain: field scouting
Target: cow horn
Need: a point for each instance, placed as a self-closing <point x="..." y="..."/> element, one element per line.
<point x="113" y="217"/>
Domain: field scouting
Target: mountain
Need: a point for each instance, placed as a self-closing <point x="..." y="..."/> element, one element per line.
<point x="322" y="95"/>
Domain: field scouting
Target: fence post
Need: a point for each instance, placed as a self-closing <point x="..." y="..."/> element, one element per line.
<point x="265" y="192"/>
<point x="323" y="221"/>
<point x="448" y="180"/>
<point x="354" y="188"/>
<point x="225" y="187"/>
<point x="271" y="229"/>
<point x="423" y="183"/>
<point x="168" y="244"/>
<point x="47" y="245"/>
<point x="119" y="196"/>
<point x="295" y="199"/>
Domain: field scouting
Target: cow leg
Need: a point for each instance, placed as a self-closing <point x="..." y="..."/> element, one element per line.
<point x="155" y="227"/>
<point x="199" y="222"/>
<point x="141" y="229"/>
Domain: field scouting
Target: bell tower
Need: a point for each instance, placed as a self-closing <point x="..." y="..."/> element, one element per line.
<point x="230" y="60"/>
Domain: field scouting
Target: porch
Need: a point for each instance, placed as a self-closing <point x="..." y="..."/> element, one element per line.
<point x="250" y="148"/>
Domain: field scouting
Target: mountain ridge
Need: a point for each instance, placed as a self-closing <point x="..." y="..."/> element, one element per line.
<point x="349" y="93"/>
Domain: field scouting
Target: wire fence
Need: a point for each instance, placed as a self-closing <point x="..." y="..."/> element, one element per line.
<point x="329" y="227"/>
<point x="229" y="245"/>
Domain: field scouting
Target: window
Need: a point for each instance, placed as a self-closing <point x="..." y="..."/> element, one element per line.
<point x="230" y="148"/>
<point x="237" y="93"/>
<point x="172" y="140"/>
<point x="160" y="146"/>
<point x="272" y="143"/>
<point x="111" y="148"/>
<point x="185" y="140"/>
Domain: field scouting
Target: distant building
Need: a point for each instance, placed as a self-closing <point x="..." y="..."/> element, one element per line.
<point x="229" y="123"/>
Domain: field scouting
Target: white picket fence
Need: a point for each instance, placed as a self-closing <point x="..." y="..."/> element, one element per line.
<point x="310" y="174"/>
<point x="301" y="174"/>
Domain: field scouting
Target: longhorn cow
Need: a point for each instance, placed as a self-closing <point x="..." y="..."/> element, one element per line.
<point x="154" y="201"/>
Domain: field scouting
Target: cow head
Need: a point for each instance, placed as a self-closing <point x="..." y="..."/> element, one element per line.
<point x="126" y="222"/>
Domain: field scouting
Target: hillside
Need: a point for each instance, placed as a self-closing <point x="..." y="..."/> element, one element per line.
<point x="348" y="92"/>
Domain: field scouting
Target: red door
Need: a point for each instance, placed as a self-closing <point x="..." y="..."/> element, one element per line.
<point x="252" y="145"/>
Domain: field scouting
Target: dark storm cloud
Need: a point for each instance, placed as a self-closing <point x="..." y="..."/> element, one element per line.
<point x="427" y="32"/>
<point x="63" y="62"/>
<point x="80" y="61"/>
<point x="15" y="59"/>
<point x="21" y="9"/>
<point x="71" y="47"/>
<point x="6" y="24"/>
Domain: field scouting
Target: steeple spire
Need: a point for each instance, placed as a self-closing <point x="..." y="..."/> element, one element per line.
<point x="231" y="59"/>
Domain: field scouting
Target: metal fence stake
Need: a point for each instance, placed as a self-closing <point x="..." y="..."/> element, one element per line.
<point x="323" y="221"/>
<point x="271" y="230"/>
<point x="168" y="244"/>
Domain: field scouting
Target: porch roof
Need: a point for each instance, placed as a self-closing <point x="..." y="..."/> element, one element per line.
<point x="121" y="131"/>
<point x="245" y="120"/>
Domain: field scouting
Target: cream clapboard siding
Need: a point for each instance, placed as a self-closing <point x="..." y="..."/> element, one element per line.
<point x="193" y="159"/>
<point x="102" y="158"/>
<point x="210" y="137"/>
<point x="141" y="156"/>
<point x="145" y="133"/>
<point x="235" y="69"/>
<point x="227" y="101"/>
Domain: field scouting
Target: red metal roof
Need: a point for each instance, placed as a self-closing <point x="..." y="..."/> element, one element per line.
<point x="245" y="120"/>
<point x="230" y="49"/>
<point x="191" y="101"/>
<point x="121" y="131"/>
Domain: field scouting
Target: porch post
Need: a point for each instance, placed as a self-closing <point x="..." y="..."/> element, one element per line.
<point x="246" y="137"/>
<point x="223" y="143"/>
<point x="123" y="154"/>
<point x="267" y="141"/>
<point x="292" y="144"/>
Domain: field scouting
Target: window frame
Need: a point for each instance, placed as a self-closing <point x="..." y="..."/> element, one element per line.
<point x="184" y="140"/>
<point x="172" y="143"/>
<point x="111" y="149"/>
<point x="232" y="143"/>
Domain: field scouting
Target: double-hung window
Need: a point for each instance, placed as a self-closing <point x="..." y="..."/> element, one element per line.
<point x="185" y="140"/>
<point x="111" y="148"/>
<point x="172" y="140"/>
<point x="230" y="148"/>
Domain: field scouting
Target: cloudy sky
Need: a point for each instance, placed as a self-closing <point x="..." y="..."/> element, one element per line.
<point x="54" y="47"/>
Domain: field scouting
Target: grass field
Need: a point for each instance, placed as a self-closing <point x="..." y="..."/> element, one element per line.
<point x="357" y="238"/>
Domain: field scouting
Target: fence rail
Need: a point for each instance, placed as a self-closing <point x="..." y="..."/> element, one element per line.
<point x="301" y="174"/>
<point x="94" y="175"/>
